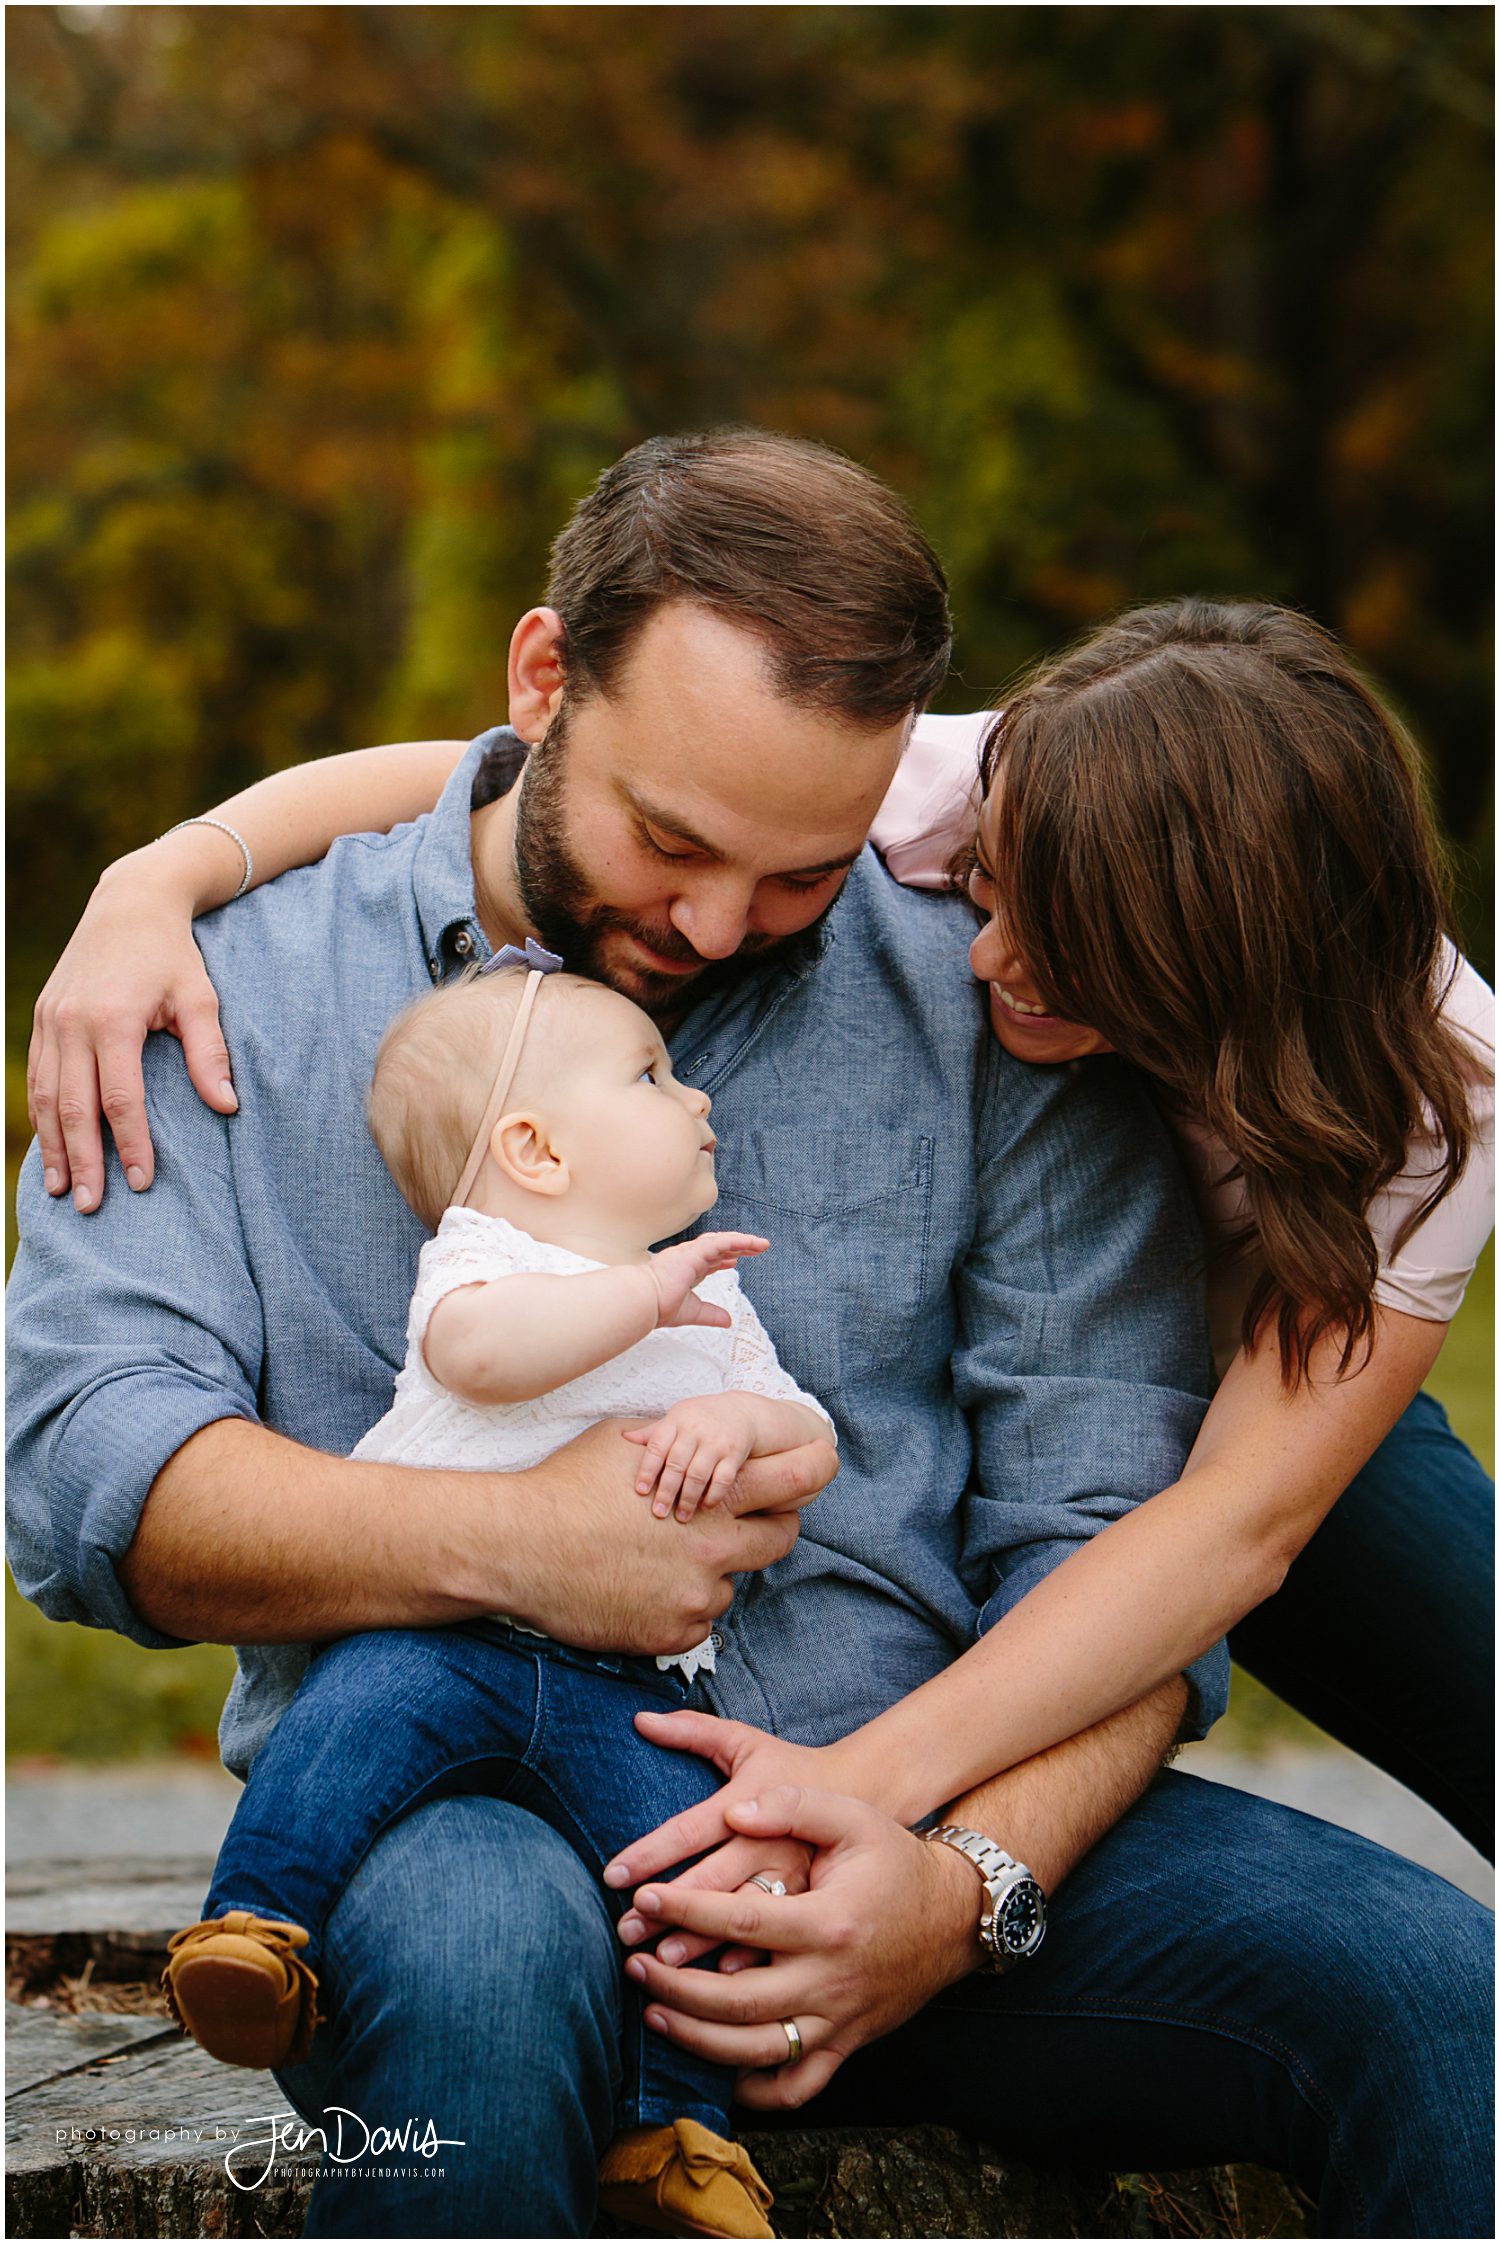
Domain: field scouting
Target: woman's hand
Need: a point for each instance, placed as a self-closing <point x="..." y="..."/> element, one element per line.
<point x="752" y="1762"/>
<point x="130" y="967"/>
<point x="887" y="1923"/>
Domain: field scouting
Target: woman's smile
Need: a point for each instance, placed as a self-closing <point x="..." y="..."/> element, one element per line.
<point x="1016" y="1004"/>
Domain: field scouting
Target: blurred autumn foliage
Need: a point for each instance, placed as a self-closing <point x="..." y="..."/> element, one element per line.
<point x="321" y="317"/>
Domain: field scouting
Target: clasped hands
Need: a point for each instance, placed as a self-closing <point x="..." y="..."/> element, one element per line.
<point x="873" y="1924"/>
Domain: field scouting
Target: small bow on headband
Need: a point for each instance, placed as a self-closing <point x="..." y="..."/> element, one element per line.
<point x="539" y="960"/>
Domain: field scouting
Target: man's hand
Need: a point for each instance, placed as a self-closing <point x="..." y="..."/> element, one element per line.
<point x="886" y="1924"/>
<point x="694" y="1454"/>
<point x="676" y="1270"/>
<point x="600" y="1572"/>
<point x="247" y="1538"/>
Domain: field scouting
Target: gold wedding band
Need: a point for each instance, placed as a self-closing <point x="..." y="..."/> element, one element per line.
<point x="793" y="2041"/>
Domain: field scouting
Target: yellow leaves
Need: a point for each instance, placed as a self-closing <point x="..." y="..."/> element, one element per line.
<point x="322" y="326"/>
<point x="138" y="243"/>
<point x="1377" y="427"/>
<point x="1378" y="607"/>
<point x="1079" y="596"/>
<point x="109" y="726"/>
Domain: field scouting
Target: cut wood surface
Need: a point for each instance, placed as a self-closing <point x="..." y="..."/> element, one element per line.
<point x="131" y="1897"/>
<point x="118" y="2126"/>
<point x="42" y="2046"/>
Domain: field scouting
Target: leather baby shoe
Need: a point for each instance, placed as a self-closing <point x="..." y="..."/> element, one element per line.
<point x="683" y="2180"/>
<point x="238" y="1985"/>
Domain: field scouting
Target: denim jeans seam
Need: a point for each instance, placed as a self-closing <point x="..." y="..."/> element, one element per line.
<point x="1211" y="2021"/>
<point x="632" y="2014"/>
<point x="533" y="1745"/>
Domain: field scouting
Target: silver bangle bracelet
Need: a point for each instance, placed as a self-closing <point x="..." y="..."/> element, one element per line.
<point x="237" y="838"/>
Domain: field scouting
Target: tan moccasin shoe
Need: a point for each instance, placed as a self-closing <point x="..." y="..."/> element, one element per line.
<point x="239" y="1986"/>
<point x="683" y="2180"/>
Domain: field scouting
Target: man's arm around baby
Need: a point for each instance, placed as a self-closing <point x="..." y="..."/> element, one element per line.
<point x="248" y="1538"/>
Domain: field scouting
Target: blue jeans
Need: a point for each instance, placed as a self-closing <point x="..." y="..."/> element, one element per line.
<point x="1384" y="1630"/>
<point x="1223" y="1979"/>
<point x="388" y="1721"/>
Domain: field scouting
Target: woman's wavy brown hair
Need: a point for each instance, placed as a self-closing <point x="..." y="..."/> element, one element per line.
<point x="1212" y="847"/>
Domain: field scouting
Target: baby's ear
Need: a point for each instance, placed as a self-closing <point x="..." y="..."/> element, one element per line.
<point x="522" y="1148"/>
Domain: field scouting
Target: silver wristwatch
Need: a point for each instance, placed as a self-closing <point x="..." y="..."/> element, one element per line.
<point x="1013" y="1919"/>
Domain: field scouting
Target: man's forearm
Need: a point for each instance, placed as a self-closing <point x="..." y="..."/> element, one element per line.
<point x="914" y="1910"/>
<point x="247" y="1538"/>
<point x="1050" y="1810"/>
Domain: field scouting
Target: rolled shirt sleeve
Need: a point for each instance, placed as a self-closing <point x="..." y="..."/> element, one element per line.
<point x="127" y="1336"/>
<point x="1083" y="1363"/>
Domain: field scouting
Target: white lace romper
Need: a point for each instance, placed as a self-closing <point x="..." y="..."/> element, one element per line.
<point x="426" y="1425"/>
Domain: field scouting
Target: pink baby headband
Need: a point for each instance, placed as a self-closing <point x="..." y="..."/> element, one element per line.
<point x="541" y="963"/>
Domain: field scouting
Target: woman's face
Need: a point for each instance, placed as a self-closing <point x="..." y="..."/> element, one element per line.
<point x="1017" y="1016"/>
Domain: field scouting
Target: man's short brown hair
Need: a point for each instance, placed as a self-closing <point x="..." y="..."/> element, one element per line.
<point x="787" y="539"/>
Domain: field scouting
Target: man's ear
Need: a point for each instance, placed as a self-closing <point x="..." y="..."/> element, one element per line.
<point x="523" y="1150"/>
<point x="535" y="672"/>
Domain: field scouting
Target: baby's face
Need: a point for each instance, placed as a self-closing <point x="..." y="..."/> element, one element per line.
<point x="637" y="1140"/>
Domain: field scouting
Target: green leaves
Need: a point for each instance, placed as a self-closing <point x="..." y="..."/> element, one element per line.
<point x="322" y="319"/>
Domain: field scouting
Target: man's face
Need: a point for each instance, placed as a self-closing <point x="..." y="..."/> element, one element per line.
<point x="692" y="817"/>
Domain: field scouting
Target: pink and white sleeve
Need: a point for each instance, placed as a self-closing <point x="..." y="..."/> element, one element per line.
<point x="932" y="806"/>
<point x="1427" y="1275"/>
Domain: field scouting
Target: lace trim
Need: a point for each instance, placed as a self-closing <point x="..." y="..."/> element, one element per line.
<point x="701" y="1658"/>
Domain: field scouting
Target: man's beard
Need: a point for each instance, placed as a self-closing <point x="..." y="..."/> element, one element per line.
<point x="559" y="902"/>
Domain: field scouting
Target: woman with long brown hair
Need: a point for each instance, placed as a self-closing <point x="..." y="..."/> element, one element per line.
<point x="1200" y="845"/>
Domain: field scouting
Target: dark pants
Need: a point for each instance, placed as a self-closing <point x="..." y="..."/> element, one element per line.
<point x="1384" y="1630"/>
<point x="393" y="1719"/>
<point x="1223" y="1978"/>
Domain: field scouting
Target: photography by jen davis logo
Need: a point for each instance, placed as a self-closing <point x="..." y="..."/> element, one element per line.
<point x="251" y="2158"/>
<point x="253" y="2149"/>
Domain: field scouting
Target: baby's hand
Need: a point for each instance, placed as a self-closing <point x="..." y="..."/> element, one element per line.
<point x="678" y="1269"/>
<point x="693" y="1454"/>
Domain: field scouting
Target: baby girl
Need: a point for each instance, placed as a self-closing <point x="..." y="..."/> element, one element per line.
<point x="533" y="1119"/>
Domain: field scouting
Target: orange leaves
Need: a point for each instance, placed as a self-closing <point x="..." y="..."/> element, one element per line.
<point x="323" y="317"/>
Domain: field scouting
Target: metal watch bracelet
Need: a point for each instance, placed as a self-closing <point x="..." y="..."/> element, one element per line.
<point x="1013" y="1916"/>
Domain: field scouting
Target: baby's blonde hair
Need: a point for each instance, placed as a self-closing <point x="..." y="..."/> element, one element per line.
<point x="436" y="1067"/>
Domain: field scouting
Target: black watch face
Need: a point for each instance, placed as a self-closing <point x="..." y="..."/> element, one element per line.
<point x="1023" y="1918"/>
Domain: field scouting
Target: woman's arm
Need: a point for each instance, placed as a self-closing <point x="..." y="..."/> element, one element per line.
<point x="1151" y="1592"/>
<point x="132" y="965"/>
<point x="888" y="1922"/>
<point x="1109" y="1626"/>
<point x="293" y="818"/>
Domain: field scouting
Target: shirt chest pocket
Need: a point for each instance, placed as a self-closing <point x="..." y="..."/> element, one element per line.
<point x="848" y="1215"/>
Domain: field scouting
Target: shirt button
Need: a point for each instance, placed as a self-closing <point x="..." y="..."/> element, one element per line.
<point x="717" y="1641"/>
<point x="463" y="942"/>
<point x="434" y="969"/>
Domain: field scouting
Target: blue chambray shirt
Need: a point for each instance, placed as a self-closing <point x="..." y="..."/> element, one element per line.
<point x="982" y="1269"/>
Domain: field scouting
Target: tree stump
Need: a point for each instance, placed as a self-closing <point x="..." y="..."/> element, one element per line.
<point x="116" y="2125"/>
